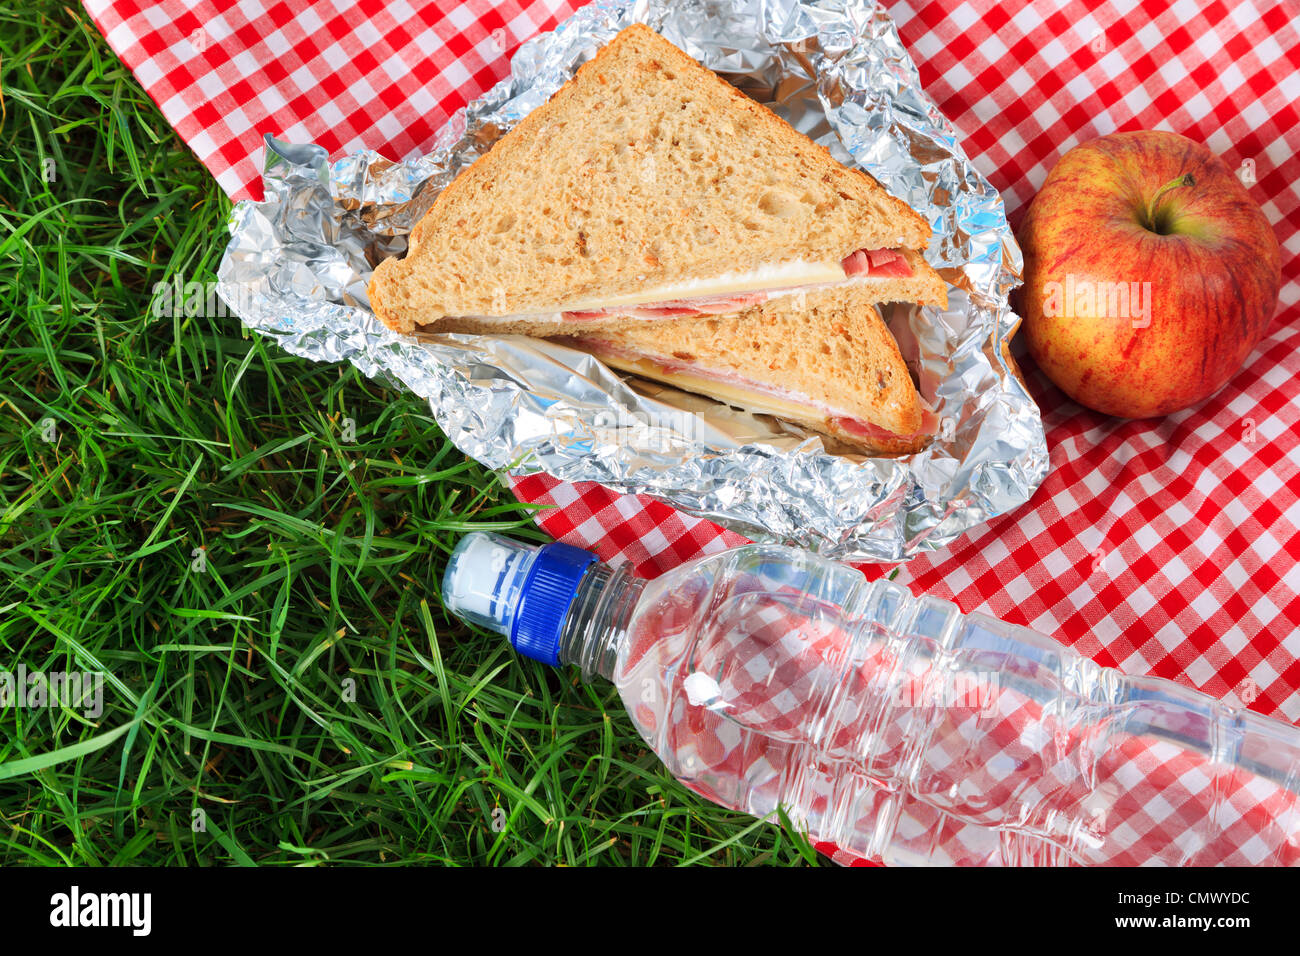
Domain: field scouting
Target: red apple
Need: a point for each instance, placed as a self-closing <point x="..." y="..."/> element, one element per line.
<point x="1150" y="274"/>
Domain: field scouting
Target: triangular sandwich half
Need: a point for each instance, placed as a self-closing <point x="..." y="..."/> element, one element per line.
<point x="831" y="366"/>
<point x="647" y="187"/>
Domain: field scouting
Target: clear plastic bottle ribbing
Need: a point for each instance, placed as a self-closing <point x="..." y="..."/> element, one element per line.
<point x="899" y="729"/>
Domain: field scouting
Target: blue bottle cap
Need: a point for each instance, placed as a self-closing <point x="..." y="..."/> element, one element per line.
<point x="545" y="599"/>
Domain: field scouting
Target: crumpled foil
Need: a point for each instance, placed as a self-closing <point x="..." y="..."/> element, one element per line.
<point x="298" y="263"/>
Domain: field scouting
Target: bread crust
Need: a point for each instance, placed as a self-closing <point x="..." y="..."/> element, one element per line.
<point x="835" y="351"/>
<point x="793" y="138"/>
<point x="433" y="282"/>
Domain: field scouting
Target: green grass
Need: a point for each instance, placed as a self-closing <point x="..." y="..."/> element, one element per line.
<point x="297" y="681"/>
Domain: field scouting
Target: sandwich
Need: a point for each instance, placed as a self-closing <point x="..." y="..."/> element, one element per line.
<point x="647" y="188"/>
<point x="830" y="365"/>
<point x="652" y="214"/>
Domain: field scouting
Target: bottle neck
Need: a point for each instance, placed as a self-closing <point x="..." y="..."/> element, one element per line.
<point x="598" y="620"/>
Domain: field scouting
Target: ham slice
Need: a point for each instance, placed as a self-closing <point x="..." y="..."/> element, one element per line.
<point x="866" y="430"/>
<point x="857" y="263"/>
<point x="671" y="370"/>
<point x="677" y="308"/>
<point x="894" y="269"/>
<point x="876" y="263"/>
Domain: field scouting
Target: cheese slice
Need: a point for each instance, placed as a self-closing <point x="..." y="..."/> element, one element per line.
<point x="778" y="275"/>
<point x="816" y="282"/>
<point x="756" y="399"/>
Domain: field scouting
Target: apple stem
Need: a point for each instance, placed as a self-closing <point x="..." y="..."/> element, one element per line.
<point x="1186" y="179"/>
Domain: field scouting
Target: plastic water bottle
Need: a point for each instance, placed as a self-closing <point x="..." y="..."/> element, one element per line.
<point x="894" y="728"/>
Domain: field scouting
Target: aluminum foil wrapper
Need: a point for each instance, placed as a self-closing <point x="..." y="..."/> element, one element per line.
<point x="298" y="263"/>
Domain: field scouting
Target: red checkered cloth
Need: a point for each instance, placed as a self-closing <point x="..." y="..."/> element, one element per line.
<point x="758" y="691"/>
<point x="365" y="74"/>
<point x="1162" y="547"/>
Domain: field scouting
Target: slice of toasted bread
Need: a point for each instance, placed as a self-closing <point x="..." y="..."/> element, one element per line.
<point x="644" y="170"/>
<point x="832" y="366"/>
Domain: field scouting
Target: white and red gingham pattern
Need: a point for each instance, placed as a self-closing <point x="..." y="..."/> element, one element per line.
<point x="1166" y="547"/>
<point x="346" y="74"/>
<point x="1005" y="775"/>
<point x="649" y="535"/>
